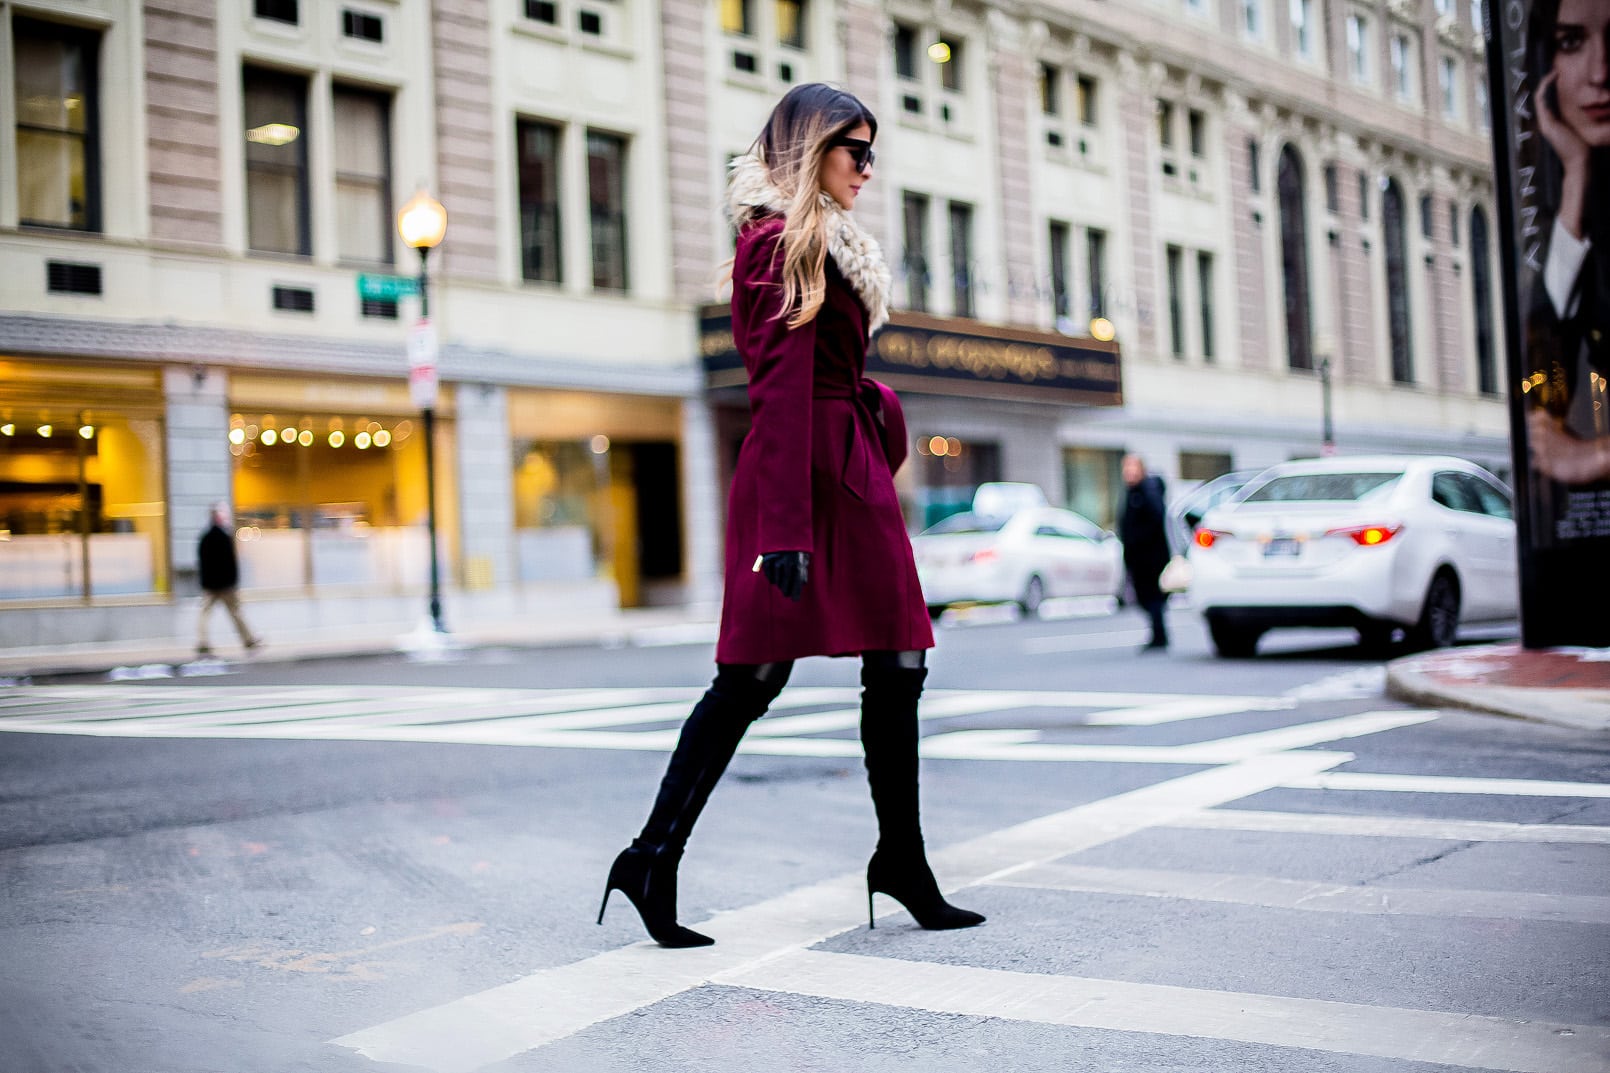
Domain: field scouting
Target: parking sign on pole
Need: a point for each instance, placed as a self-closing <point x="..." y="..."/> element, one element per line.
<point x="422" y="364"/>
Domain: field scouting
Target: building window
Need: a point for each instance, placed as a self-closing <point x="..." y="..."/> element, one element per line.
<point x="1453" y="223"/>
<point x="1165" y="123"/>
<point x="1254" y="166"/>
<point x="1425" y="216"/>
<point x="1443" y="7"/>
<point x="1302" y="28"/>
<point x="275" y="109"/>
<point x="1333" y="192"/>
<point x="905" y="51"/>
<point x="82" y="475"/>
<point x="276" y="10"/>
<point x="950" y="71"/>
<point x="606" y="199"/>
<point x="58" y="154"/>
<point x="542" y="11"/>
<point x="737" y="17"/>
<point x="1394" y="235"/>
<point x="1085" y="87"/>
<point x="363" y="175"/>
<point x="790" y="16"/>
<point x="1448" y="79"/>
<point x="1484" y="120"/>
<point x="1363" y="196"/>
<point x="540" y="255"/>
<point x="1478" y="15"/>
<point x="1096" y="270"/>
<point x="362" y="26"/>
<point x="1050" y="90"/>
<point x="1252" y="17"/>
<point x="1061" y="300"/>
<point x="1294" y="260"/>
<point x="1204" y="283"/>
<point x="915" y="259"/>
<point x="1196" y="132"/>
<point x="1358" y="47"/>
<point x="1401" y="54"/>
<point x="1176" y="299"/>
<point x="1481" y="282"/>
<point x="961" y="259"/>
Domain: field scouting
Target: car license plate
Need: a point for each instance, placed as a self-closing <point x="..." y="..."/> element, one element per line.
<point x="1282" y="546"/>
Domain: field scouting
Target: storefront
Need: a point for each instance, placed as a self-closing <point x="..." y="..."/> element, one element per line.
<point x="329" y="485"/>
<point x="597" y="490"/>
<point x="982" y="402"/>
<point x="82" y="502"/>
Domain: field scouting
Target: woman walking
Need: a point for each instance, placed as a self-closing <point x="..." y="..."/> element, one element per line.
<point x="817" y="558"/>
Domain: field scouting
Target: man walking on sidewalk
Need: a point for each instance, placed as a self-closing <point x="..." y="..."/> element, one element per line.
<point x="1141" y="527"/>
<point x="220" y="577"/>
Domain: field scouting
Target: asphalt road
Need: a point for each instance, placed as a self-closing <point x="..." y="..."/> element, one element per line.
<point x="1187" y="864"/>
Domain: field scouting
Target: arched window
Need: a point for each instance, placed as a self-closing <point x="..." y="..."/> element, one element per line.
<point x="1294" y="260"/>
<point x="1481" y="282"/>
<point x="1397" y="282"/>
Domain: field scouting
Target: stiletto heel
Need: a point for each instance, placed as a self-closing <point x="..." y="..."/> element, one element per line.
<point x="909" y="881"/>
<point x="648" y="879"/>
<point x="871" y="921"/>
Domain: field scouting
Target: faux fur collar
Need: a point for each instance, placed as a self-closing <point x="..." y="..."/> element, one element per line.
<point x="857" y="254"/>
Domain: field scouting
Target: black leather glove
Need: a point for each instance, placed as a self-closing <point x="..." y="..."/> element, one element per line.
<point x="788" y="570"/>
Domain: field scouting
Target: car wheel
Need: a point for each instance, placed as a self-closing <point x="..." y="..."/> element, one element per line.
<point x="1439" y="617"/>
<point x="1234" y="642"/>
<point x="1033" y="595"/>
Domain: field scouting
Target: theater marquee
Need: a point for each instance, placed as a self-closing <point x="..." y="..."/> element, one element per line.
<point x="938" y="356"/>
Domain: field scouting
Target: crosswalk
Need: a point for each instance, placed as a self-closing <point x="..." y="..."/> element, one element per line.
<point x="795" y="944"/>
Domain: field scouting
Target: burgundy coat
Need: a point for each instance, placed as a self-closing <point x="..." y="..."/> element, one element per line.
<point x="814" y="475"/>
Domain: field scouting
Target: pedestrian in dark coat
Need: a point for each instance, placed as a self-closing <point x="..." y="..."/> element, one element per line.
<point x="218" y="571"/>
<point x="817" y="558"/>
<point x="1143" y="529"/>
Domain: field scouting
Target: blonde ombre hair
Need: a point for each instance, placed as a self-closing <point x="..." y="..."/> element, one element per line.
<point x="792" y="147"/>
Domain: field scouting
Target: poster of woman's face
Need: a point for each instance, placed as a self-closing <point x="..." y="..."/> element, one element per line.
<point x="1559" y="124"/>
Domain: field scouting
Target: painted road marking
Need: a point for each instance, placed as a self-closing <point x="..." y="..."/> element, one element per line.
<point x="1272" y="892"/>
<point x="1453" y="1039"/>
<point x="1449" y="784"/>
<point x="498" y="1023"/>
<point x="1322" y="823"/>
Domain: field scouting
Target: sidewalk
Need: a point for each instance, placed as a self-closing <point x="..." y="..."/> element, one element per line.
<point x="635" y="626"/>
<point x="1568" y="687"/>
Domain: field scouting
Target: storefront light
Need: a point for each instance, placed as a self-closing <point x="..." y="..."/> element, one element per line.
<point x="361" y="441"/>
<point x="939" y="52"/>
<point x="1102" y="329"/>
<point x="87" y="431"/>
<point x="937" y="445"/>
<point x="305" y="437"/>
<point x="270" y="437"/>
<point x="382" y="438"/>
<point x="337" y="438"/>
<point x="237" y="436"/>
<point x="45" y="431"/>
<point x="8" y="429"/>
<point x="600" y="444"/>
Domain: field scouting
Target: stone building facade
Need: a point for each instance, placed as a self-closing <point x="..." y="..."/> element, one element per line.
<point x="1243" y="193"/>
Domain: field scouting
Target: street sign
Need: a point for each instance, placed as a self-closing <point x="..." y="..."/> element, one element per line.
<point x="422" y="364"/>
<point x="376" y="288"/>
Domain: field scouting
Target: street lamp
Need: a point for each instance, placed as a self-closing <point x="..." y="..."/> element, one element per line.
<point x="1327" y="445"/>
<point x="422" y="223"/>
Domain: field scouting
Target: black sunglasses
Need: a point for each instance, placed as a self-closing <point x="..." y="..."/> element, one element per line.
<point x="860" y="151"/>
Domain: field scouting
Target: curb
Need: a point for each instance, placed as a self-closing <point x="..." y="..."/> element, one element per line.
<point x="1573" y="709"/>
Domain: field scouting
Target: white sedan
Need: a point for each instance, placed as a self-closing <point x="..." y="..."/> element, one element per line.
<point x="1025" y="558"/>
<point x="1382" y="543"/>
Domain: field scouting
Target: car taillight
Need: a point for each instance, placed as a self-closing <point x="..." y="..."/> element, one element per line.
<point x="1206" y="538"/>
<point x="1368" y="536"/>
<point x="984" y="555"/>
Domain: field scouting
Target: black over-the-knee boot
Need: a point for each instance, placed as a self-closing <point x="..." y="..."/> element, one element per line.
<point x="646" y="870"/>
<point x="899" y="866"/>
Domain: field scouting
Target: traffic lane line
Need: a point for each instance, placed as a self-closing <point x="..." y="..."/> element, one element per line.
<point x="496" y="1024"/>
<point x="1273" y="892"/>
<point x="1453" y="1039"/>
<point x="1393" y="826"/>
<point x="1448" y="784"/>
